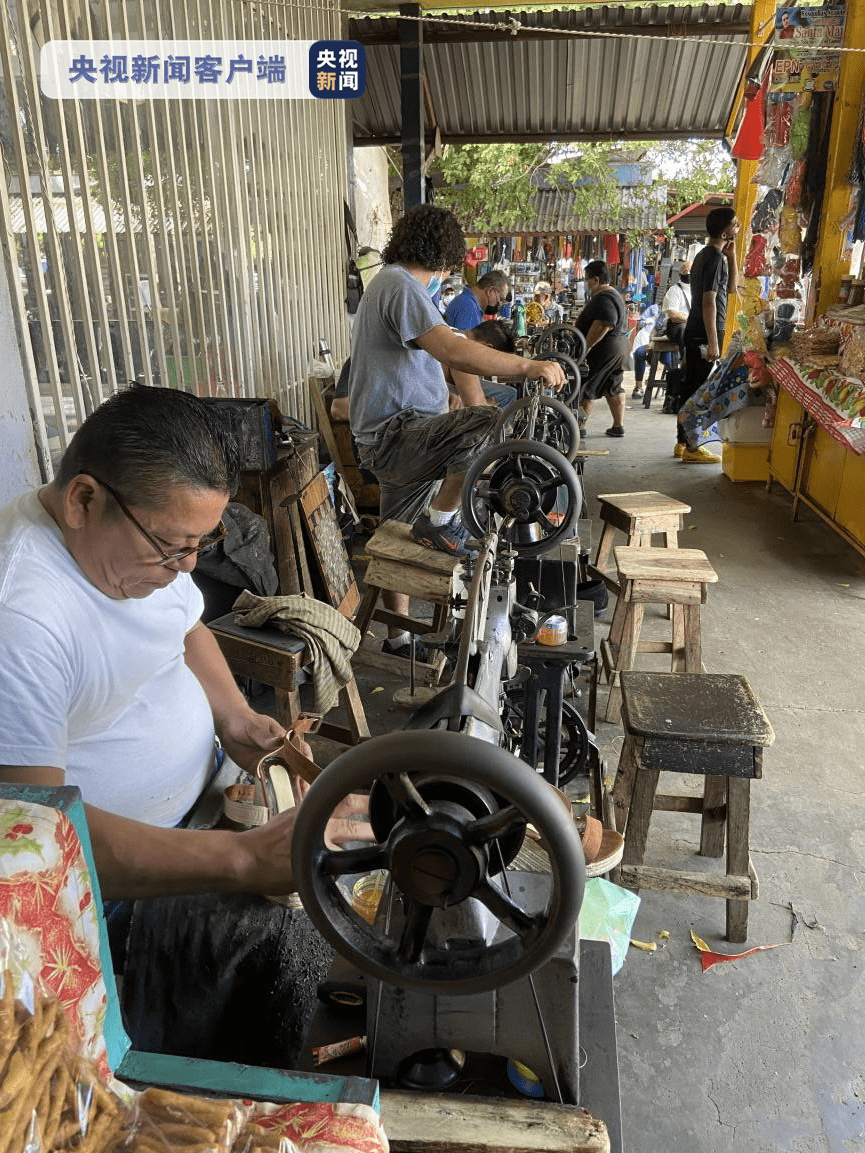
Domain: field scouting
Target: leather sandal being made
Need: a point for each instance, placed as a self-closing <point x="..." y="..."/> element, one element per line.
<point x="275" y="775"/>
<point x="602" y="848"/>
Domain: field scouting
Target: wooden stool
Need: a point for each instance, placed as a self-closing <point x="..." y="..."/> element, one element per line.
<point x="710" y="724"/>
<point x="398" y="564"/>
<point x="275" y="658"/>
<point x="677" y="577"/>
<point x="656" y="348"/>
<point x="639" y="515"/>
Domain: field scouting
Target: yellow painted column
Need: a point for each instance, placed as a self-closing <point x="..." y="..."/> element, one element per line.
<point x="828" y="269"/>
<point x="745" y="197"/>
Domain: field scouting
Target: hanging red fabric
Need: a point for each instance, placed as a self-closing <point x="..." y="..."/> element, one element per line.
<point x="748" y="144"/>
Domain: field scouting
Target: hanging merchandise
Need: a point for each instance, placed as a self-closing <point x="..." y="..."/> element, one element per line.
<point x="856" y="176"/>
<point x="611" y="248"/>
<point x="748" y="144"/>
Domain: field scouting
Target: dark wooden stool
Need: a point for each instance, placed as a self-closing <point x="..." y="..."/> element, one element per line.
<point x="677" y="577"/>
<point x="641" y="516"/>
<point x="656" y="348"/>
<point x="710" y="724"/>
<point x="276" y="658"/>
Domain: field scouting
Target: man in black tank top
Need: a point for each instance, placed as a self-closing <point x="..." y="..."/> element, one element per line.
<point x="604" y="323"/>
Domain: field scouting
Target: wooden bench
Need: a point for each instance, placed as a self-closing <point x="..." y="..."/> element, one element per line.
<point x="641" y="516"/>
<point x="656" y="349"/>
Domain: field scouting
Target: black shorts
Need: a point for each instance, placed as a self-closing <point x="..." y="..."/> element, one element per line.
<point x="414" y="451"/>
<point x="606" y="364"/>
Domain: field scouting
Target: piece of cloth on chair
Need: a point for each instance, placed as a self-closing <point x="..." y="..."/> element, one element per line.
<point x="331" y="640"/>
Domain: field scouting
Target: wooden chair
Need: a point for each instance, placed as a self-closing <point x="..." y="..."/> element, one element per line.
<point x="276" y="658"/>
<point x="708" y="724"/>
<point x="656" y="349"/>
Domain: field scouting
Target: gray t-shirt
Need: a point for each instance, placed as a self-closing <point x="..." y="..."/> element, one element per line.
<point x="389" y="373"/>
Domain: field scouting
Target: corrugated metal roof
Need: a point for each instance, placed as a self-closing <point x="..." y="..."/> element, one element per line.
<point x="559" y="212"/>
<point x="657" y="71"/>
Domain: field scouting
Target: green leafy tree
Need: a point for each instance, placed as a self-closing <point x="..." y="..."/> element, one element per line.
<point x="490" y="187"/>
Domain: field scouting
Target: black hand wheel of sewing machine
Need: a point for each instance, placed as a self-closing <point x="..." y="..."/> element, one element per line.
<point x="575" y="742"/>
<point x="569" y="393"/>
<point x="448" y="814"/>
<point x="565" y="338"/>
<point x="543" y="418"/>
<point x="531" y="488"/>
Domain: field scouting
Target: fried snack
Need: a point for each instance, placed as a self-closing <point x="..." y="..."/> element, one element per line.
<point x="41" y="1079"/>
<point x="176" y="1121"/>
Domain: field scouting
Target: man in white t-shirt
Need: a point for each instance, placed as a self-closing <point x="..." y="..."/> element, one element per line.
<point x="108" y="678"/>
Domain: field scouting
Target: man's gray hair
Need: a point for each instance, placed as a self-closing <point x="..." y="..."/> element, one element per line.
<point x="494" y="279"/>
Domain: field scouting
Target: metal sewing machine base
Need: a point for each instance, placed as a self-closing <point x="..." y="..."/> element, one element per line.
<point x="581" y="1031"/>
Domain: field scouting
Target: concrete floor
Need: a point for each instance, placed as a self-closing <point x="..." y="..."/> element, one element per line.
<point x="765" y="1054"/>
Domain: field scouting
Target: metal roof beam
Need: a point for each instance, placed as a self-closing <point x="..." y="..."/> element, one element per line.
<point x="545" y="137"/>
<point x="368" y="34"/>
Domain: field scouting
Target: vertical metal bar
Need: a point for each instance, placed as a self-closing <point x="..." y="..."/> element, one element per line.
<point x="36" y="279"/>
<point x="411" y="92"/>
<point x="201" y="186"/>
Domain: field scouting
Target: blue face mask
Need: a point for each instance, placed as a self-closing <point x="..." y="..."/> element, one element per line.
<point x="434" y="285"/>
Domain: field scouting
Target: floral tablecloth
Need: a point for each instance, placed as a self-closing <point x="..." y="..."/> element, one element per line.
<point x="836" y="402"/>
<point x="49" y="929"/>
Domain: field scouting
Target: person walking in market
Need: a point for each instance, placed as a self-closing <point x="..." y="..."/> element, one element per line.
<point x="714" y="278"/>
<point x="604" y="323"/>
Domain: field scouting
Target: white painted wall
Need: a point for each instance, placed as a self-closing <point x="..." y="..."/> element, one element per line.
<point x="19" y="466"/>
<point x="371" y="200"/>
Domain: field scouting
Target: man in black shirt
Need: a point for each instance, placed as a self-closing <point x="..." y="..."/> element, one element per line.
<point x="714" y="276"/>
<point x="604" y="323"/>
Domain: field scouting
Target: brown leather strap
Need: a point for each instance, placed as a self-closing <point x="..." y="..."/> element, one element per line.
<point x="591" y="834"/>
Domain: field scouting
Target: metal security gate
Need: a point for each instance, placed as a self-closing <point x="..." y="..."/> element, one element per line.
<point x="192" y="243"/>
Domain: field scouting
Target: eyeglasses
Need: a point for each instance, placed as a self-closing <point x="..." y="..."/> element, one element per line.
<point x="206" y="542"/>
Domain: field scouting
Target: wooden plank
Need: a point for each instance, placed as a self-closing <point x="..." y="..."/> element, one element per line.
<point x="299" y="550"/>
<point x="328" y="546"/>
<point x="639" y="503"/>
<point x="430" y="1123"/>
<point x="403" y="577"/>
<point x="425" y="673"/>
<point x="326" y="430"/>
<point x="677" y="564"/>
<point x="680" y="881"/>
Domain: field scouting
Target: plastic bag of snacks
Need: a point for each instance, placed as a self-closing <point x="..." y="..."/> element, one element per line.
<point x="169" y="1122"/>
<point x="50" y="1097"/>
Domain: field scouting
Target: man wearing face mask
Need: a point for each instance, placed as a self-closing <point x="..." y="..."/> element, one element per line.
<point x="477" y="301"/>
<point x="398" y="398"/>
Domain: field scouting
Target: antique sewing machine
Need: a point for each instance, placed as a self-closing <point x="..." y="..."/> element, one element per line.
<point x="469" y="950"/>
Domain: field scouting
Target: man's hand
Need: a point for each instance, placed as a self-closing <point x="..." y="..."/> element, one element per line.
<point x="267" y="848"/>
<point x="549" y="371"/>
<point x="248" y="735"/>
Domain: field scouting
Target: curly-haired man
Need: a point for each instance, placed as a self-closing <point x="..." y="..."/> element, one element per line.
<point x="398" y="397"/>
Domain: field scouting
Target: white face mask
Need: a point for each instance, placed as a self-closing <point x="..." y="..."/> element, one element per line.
<point x="434" y="284"/>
